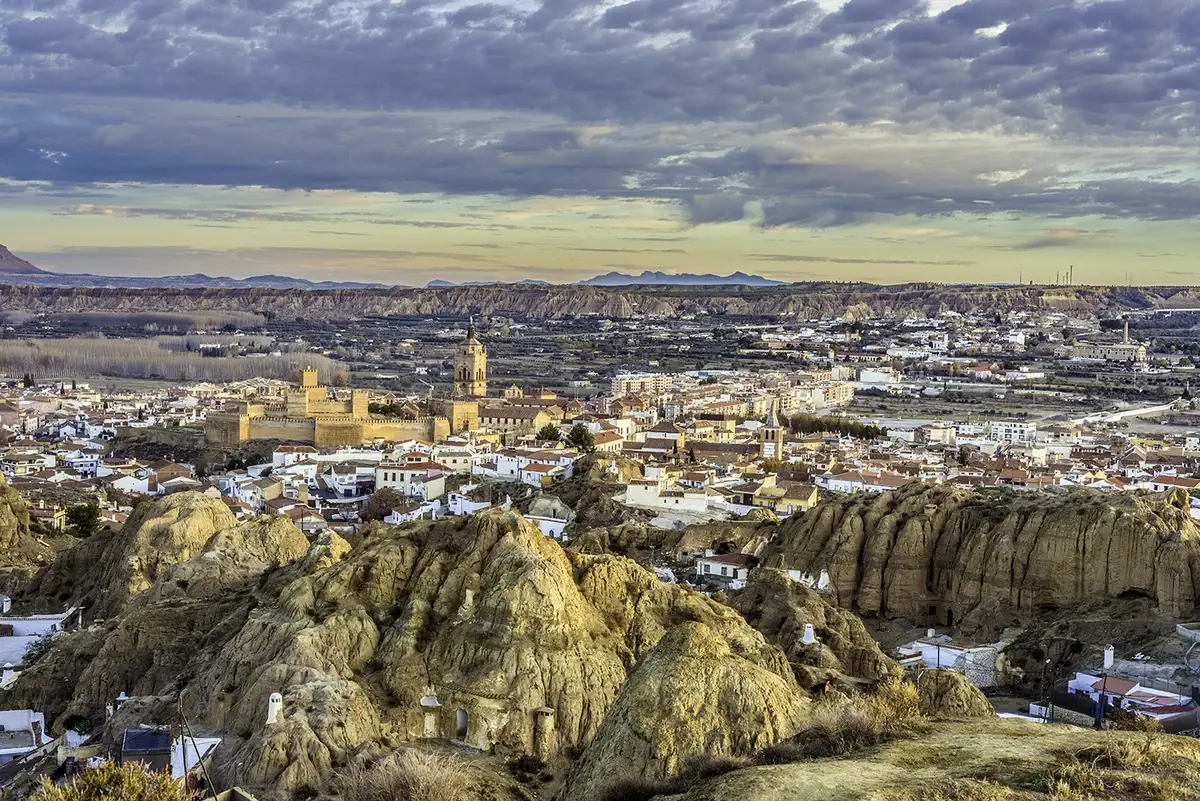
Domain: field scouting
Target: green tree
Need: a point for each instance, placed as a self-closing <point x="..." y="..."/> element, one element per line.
<point x="381" y="504"/>
<point x="581" y="439"/>
<point x="84" y="519"/>
<point x="549" y="433"/>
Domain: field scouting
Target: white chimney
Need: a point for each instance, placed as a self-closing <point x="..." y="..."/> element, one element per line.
<point x="274" y="708"/>
<point x="810" y="634"/>
<point x="930" y="633"/>
<point x="1108" y="657"/>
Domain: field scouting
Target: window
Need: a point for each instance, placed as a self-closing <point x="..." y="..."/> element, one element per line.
<point x="724" y="570"/>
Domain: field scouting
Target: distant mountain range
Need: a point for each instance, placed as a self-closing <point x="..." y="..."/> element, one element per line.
<point x="18" y="271"/>
<point x="14" y="270"/>
<point x="438" y="283"/>
<point x="680" y="279"/>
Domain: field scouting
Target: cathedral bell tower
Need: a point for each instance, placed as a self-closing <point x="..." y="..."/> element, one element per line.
<point x="770" y="436"/>
<point x="470" y="366"/>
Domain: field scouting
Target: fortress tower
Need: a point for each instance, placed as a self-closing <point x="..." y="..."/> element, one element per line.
<point x="470" y="366"/>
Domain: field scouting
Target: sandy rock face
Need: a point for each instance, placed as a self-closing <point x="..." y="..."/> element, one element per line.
<point x="949" y="694"/>
<point x="20" y="551"/>
<point x="694" y="693"/>
<point x="482" y="631"/>
<point x="486" y="632"/>
<point x="779" y="608"/>
<point x="200" y="594"/>
<point x="936" y="554"/>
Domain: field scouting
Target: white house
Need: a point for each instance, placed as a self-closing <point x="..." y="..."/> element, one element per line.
<point x="414" y="476"/>
<point x="655" y="494"/>
<point x="413" y="511"/>
<point x="21" y="731"/>
<point x="728" y="569"/>
<point x="1012" y="431"/>
<point x="461" y="506"/>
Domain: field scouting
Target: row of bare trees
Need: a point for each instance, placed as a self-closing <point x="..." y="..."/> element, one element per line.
<point x="80" y="357"/>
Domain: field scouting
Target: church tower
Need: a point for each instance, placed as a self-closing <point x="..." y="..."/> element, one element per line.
<point x="470" y="366"/>
<point x="770" y="436"/>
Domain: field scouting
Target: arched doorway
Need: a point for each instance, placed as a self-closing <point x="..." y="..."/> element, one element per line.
<point x="461" y="725"/>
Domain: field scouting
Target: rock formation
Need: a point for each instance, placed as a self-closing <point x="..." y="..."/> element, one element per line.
<point x="694" y="693"/>
<point x="110" y="568"/>
<point x="20" y="550"/>
<point x="948" y="694"/>
<point x="844" y="651"/>
<point x="801" y="301"/>
<point x="479" y="630"/>
<point x="934" y="554"/>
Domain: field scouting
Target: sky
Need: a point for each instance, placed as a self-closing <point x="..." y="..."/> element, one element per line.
<point x="400" y="142"/>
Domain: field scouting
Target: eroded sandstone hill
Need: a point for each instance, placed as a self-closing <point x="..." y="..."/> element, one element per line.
<point x="482" y="630"/>
<point x="843" y="652"/>
<point x="934" y="554"/>
<point x="21" y="551"/>
<point x="801" y="301"/>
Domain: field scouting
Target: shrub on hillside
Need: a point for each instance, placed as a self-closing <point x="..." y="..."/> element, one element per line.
<point x="410" y="776"/>
<point x="111" y="782"/>
<point x="847" y="724"/>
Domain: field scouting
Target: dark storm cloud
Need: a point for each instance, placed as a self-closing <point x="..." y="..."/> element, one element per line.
<point x="683" y="101"/>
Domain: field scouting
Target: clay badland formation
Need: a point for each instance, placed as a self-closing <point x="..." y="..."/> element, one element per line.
<point x="802" y="301"/>
<point x="486" y="633"/>
<point x="933" y="554"/>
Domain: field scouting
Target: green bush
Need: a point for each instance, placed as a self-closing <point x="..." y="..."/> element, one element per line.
<point x="111" y="782"/>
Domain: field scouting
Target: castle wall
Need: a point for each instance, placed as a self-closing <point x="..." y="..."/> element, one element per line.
<point x="461" y="415"/>
<point x="325" y="432"/>
<point x="300" y="430"/>
<point x="431" y="429"/>
<point x="226" y="429"/>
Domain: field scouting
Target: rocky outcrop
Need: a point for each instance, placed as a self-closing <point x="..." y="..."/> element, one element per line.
<point x="844" y="652"/>
<point x="111" y="567"/>
<point x="480" y="630"/>
<point x="21" y="552"/>
<point x="694" y="693"/>
<point x="166" y="612"/>
<point x="981" y="561"/>
<point x="948" y="694"/>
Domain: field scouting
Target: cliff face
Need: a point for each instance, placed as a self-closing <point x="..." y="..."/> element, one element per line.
<point x="935" y="554"/>
<point x="844" y="652"/>
<point x="20" y="551"/>
<point x="692" y="694"/>
<point x="110" y="568"/>
<point x="808" y="300"/>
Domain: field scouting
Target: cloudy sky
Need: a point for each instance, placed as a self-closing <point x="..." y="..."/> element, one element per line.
<point x="882" y="140"/>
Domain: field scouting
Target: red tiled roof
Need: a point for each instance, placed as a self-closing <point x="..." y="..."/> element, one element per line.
<point x="1114" y="685"/>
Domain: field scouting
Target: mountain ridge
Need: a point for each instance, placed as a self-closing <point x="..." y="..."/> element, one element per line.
<point x="657" y="277"/>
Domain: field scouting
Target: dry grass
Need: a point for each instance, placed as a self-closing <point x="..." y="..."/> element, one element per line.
<point x="116" y="783"/>
<point x="950" y="790"/>
<point x="845" y="725"/>
<point x="410" y="776"/>
<point x="1127" y="753"/>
